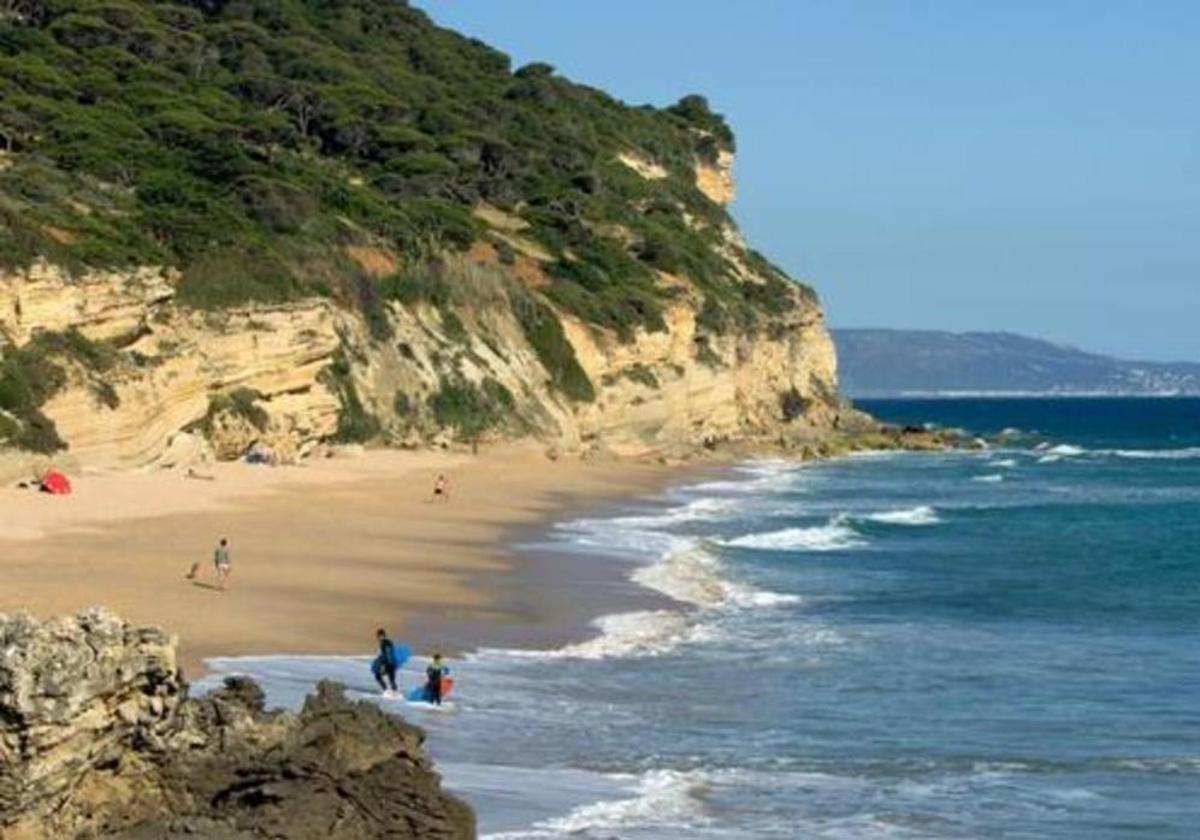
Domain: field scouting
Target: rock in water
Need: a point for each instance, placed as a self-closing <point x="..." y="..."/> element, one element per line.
<point x="98" y="738"/>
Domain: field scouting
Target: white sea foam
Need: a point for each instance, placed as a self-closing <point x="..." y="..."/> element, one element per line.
<point x="661" y="799"/>
<point x="626" y="636"/>
<point x="1007" y="463"/>
<point x="1157" y="454"/>
<point x="699" y="510"/>
<point x="693" y="576"/>
<point x="920" y="515"/>
<point x="992" y="478"/>
<point x="1066" y="450"/>
<point x="1049" y="459"/>
<point x="763" y="475"/>
<point x="688" y="573"/>
<point x="834" y="535"/>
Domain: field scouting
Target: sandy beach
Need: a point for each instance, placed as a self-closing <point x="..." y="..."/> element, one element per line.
<point x="322" y="554"/>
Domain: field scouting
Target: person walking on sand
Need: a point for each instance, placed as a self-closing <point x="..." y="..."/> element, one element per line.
<point x="221" y="561"/>
<point x="220" y="564"/>
<point x="385" y="663"/>
<point x="441" y="488"/>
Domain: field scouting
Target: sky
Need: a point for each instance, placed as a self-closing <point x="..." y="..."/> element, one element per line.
<point x="1004" y="165"/>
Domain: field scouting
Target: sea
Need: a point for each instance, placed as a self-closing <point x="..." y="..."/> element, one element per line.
<point x="971" y="644"/>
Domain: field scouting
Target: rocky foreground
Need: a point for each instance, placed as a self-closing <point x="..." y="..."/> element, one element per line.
<point x="99" y="738"/>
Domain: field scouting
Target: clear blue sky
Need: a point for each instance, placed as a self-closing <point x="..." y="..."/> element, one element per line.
<point x="1025" y="166"/>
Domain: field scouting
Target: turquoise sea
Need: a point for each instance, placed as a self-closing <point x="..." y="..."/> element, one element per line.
<point x="1002" y="643"/>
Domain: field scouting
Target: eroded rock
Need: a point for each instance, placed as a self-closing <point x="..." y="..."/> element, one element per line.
<point x="98" y="738"/>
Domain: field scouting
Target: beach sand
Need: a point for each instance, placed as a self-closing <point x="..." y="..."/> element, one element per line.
<point x="322" y="554"/>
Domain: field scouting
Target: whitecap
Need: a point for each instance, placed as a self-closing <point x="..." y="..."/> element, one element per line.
<point x="1007" y="463"/>
<point x="1049" y="459"/>
<point x="993" y="478"/>
<point x="1066" y="450"/>
<point x="661" y="799"/>
<point x="835" y="535"/>
<point x="693" y="575"/>
<point x="920" y="515"/>
<point x="633" y="635"/>
<point x="697" y="510"/>
<point x="1157" y="454"/>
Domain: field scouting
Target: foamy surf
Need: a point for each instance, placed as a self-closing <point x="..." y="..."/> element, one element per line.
<point x="992" y="478"/>
<point x="689" y="574"/>
<point x="662" y="799"/>
<point x="835" y="535"/>
<point x="920" y="515"/>
<point x="1157" y="454"/>
<point x="632" y="635"/>
<point x="693" y="575"/>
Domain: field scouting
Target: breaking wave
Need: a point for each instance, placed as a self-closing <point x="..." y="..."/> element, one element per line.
<point x="1157" y="454"/>
<point x="835" y="535"/>
<point x="920" y="515"/>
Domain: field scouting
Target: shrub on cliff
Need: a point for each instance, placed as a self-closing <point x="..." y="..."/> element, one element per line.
<point x="32" y="374"/>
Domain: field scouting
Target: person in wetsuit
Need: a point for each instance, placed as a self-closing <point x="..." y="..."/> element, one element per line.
<point x="433" y="679"/>
<point x="385" y="663"/>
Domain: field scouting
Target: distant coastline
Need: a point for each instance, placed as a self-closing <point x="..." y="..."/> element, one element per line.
<point x="880" y="363"/>
<point x="1022" y="395"/>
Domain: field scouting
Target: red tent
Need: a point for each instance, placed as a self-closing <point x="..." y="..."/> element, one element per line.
<point x="56" y="483"/>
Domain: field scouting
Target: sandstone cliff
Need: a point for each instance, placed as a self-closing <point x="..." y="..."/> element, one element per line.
<point x="665" y="391"/>
<point x="429" y="248"/>
<point x="98" y="738"/>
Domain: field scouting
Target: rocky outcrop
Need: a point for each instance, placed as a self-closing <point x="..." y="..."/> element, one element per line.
<point x="98" y="738"/>
<point x="715" y="179"/>
<point x="658" y="398"/>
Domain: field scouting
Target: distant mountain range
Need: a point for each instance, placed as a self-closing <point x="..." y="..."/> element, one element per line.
<point x="885" y="362"/>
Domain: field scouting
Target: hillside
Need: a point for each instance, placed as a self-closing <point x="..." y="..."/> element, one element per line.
<point x="881" y="362"/>
<point x="223" y="222"/>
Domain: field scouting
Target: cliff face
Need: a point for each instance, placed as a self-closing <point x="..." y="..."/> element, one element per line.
<point x="430" y="247"/>
<point x="666" y="391"/>
<point x="98" y="738"/>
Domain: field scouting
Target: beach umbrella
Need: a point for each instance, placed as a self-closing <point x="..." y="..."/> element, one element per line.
<point x="56" y="483"/>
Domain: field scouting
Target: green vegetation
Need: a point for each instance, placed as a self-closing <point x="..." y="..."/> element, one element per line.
<point x="544" y="333"/>
<point x="27" y="380"/>
<point x="32" y="374"/>
<point x="246" y="142"/>
<point x="641" y="374"/>
<point x="355" y="423"/>
<point x="472" y="409"/>
<point x="240" y="402"/>
<point x="253" y="146"/>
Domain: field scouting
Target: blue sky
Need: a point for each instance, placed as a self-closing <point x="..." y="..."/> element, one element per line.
<point x="1024" y="166"/>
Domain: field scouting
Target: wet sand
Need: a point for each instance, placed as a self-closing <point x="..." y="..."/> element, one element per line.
<point x="322" y="554"/>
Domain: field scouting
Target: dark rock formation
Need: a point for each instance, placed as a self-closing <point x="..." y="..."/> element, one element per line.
<point x="98" y="738"/>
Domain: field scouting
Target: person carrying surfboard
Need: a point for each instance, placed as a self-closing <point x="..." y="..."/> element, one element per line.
<point x="433" y="679"/>
<point x="386" y="663"/>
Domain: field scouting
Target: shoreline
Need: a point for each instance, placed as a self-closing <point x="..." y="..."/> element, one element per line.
<point x="325" y="553"/>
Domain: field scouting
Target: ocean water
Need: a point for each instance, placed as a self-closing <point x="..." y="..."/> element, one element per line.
<point x="1002" y="643"/>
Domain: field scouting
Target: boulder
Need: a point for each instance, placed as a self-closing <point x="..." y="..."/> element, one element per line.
<point x="99" y="738"/>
